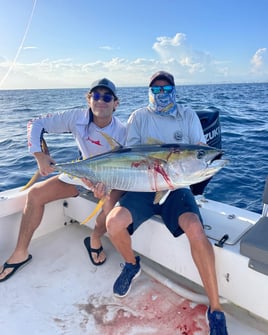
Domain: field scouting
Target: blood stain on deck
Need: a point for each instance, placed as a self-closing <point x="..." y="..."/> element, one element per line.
<point x="149" y="308"/>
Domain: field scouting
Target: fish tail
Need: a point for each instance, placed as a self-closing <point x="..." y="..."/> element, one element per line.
<point x="44" y="146"/>
<point x="31" y="181"/>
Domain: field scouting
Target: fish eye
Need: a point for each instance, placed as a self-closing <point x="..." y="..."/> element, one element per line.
<point x="201" y="153"/>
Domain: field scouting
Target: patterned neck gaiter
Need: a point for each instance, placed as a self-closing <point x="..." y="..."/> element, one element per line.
<point x="163" y="104"/>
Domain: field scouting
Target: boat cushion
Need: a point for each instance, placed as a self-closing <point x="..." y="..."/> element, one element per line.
<point x="254" y="245"/>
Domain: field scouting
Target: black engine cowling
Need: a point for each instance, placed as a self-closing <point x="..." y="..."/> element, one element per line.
<point x="210" y="122"/>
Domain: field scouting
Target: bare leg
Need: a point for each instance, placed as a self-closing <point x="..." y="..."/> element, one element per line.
<point x="100" y="226"/>
<point x="39" y="195"/>
<point x="203" y="256"/>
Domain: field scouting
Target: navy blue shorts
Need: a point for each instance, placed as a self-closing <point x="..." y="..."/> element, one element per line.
<point x="141" y="207"/>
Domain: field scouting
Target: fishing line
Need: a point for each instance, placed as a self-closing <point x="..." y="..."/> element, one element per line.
<point x="20" y="47"/>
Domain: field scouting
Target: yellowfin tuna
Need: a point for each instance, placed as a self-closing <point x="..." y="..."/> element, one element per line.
<point x="149" y="168"/>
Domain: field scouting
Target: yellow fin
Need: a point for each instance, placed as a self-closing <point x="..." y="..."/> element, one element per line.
<point x="97" y="208"/>
<point x="34" y="178"/>
<point x="113" y="143"/>
<point x="151" y="140"/>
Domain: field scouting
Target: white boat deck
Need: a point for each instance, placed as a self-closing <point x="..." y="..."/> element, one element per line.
<point x="62" y="293"/>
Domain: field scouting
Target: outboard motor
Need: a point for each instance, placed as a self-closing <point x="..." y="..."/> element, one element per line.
<point x="210" y="122"/>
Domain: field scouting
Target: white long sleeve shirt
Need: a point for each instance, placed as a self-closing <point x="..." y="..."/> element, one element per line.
<point x="144" y="126"/>
<point x="78" y="122"/>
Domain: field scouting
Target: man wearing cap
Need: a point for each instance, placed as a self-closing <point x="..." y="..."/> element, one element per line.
<point x="167" y="122"/>
<point x="86" y="127"/>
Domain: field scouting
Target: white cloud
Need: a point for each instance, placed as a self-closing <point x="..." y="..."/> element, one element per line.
<point x="186" y="63"/>
<point x="174" y="54"/>
<point x="168" y="47"/>
<point x="164" y="42"/>
<point x="257" y="60"/>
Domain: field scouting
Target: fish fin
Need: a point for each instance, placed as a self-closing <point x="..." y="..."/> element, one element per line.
<point x="34" y="178"/>
<point x="97" y="208"/>
<point x="113" y="143"/>
<point x="160" y="197"/>
<point x="151" y="140"/>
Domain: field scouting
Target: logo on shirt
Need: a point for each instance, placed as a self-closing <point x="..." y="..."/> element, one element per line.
<point x="178" y="135"/>
<point x="94" y="142"/>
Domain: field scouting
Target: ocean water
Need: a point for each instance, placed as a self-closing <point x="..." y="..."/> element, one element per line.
<point x="243" y="112"/>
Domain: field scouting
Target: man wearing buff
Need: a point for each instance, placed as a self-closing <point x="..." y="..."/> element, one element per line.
<point x="167" y="122"/>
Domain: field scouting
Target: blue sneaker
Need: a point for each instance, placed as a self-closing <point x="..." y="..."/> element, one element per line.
<point x="122" y="284"/>
<point x="217" y="323"/>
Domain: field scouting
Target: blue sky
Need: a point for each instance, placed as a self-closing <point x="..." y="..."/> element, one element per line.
<point x="70" y="43"/>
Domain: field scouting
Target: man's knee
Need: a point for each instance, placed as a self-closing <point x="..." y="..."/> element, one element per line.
<point x="118" y="219"/>
<point x="34" y="196"/>
<point x="191" y="225"/>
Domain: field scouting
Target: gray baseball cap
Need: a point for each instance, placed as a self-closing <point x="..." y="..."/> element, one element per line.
<point x="104" y="82"/>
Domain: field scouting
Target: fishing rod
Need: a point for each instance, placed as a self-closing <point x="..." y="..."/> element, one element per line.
<point x="20" y="46"/>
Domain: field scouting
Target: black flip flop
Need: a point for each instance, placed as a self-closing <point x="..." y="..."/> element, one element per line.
<point x="14" y="267"/>
<point x="90" y="250"/>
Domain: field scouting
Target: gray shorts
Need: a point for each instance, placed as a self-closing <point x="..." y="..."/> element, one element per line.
<point x="141" y="207"/>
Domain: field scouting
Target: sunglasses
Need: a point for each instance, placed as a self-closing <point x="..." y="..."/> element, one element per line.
<point x="106" y="97"/>
<point x="166" y="89"/>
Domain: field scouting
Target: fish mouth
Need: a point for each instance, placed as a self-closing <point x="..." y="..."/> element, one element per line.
<point x="217" y="164"/>
<point x="218" y="156"/>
